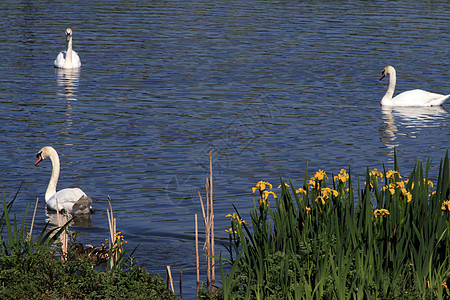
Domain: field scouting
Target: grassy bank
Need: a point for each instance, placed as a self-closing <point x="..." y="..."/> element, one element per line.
<point x="42" y="268"/>
<point x="332" y="238"/>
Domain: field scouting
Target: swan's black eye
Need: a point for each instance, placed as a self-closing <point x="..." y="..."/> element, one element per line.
<point x="38" y="155"/>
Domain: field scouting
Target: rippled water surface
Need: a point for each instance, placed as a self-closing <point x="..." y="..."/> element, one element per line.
<point x="270" y="86"/>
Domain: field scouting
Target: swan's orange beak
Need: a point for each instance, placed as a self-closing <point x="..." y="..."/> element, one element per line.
<point x="39" y="159"/>
<point x="68" y="36"/>
<point x="382" y="75"/>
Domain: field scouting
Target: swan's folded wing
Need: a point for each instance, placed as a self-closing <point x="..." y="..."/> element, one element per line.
<point x="82" y="206"/>
<point x="439" y="99"/>
<point x="418" y="98"/>
<point x="60" y="59"/>
<point x="76" y="62"/>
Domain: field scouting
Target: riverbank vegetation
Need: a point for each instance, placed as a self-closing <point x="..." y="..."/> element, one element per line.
<point x="334" y="238"/>
<point x="45" y="268"/>
<point x="387" y="237"/>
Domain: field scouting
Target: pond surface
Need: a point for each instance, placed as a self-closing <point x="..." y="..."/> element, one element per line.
<point x="270" y="86"/>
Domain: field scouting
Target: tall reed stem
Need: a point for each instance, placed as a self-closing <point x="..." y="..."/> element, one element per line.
<point x="208" y="218"/>
<point x="169" y="279"/>
<point x="181" y="281"/>
<point x="64" y="237"/>
<point x="34" y="215"/>
<point x="196" y="255"/>
<point x="213" y="277"/>
<point x="208" y="240"/>
<point x="112" y="233"/>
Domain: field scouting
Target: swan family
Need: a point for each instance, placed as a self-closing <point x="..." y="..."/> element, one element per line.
<point x="72" y="201"/>
<point x="68" y="59"/>
<point x="408" y="98"/>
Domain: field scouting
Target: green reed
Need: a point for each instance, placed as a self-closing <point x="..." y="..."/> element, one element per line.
<point x="17" y="240"/>
<point x="318" y="241"/>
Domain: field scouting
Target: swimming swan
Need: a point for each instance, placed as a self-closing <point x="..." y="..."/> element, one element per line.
<point x="408" y="98"/>
<point x="68" y="59"/>
<point x="73" y="201"/>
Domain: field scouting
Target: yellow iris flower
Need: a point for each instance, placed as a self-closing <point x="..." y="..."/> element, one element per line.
<point x="261" y="186"/>
<point x="300" y="191"/>
<point x="342" y="176"/>
<point x="380" y="212"/>
<point x="320" y="175"/>
<point x="234" y="216"/>
<point x="230" y="231"/>
<point x="391" y="173"/>
<point x="446" y="205"/>
<point x="320" y="199"/>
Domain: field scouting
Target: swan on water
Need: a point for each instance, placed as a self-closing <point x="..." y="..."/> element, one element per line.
<point x="68" y="59"/>
<point x="408" y="98"/>
<point x="72" y="201"/>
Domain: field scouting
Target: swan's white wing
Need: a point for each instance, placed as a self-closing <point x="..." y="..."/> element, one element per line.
<point x="418" y="98"/>
<point x="76" y="62"/>
<point x="67" y="198"/>
<point x="60" y="60"/>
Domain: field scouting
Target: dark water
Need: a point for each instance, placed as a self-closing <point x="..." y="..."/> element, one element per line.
<point x="268" y="85"/>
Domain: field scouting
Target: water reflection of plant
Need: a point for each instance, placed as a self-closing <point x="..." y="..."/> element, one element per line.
<point x="318" y="242"/>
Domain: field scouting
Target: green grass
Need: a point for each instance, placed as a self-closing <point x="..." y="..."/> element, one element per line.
<point x="319" y="242"/>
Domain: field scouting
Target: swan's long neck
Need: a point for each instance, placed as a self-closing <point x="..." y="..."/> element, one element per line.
<point x="51" y="189"/>
<point x="390" y="91"/>
<point x="68" y="62"/>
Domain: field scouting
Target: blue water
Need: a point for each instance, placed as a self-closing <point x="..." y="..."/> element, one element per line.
<point x="270" y="86"/>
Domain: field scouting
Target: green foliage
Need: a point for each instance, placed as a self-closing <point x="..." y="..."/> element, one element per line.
<point x="29" y="269"/>
<point x="17" y="241"/>
<point x="44" y="276"/>
<point x="318" y="242"/>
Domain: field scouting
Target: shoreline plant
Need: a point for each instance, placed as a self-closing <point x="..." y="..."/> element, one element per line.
<point x="319" y="242"/>
<point x="32" y="268"/>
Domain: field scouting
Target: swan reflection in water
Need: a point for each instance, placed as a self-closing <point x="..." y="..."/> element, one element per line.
<point x="78" y="221"/>
<point x="68" y="80"/>
<point x="411" y="118"/>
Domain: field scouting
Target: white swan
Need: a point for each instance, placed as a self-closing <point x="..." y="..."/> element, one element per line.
<point x="68" y="59"/>
<point x="73" y="201"/>
<point x="408" y="98"/>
